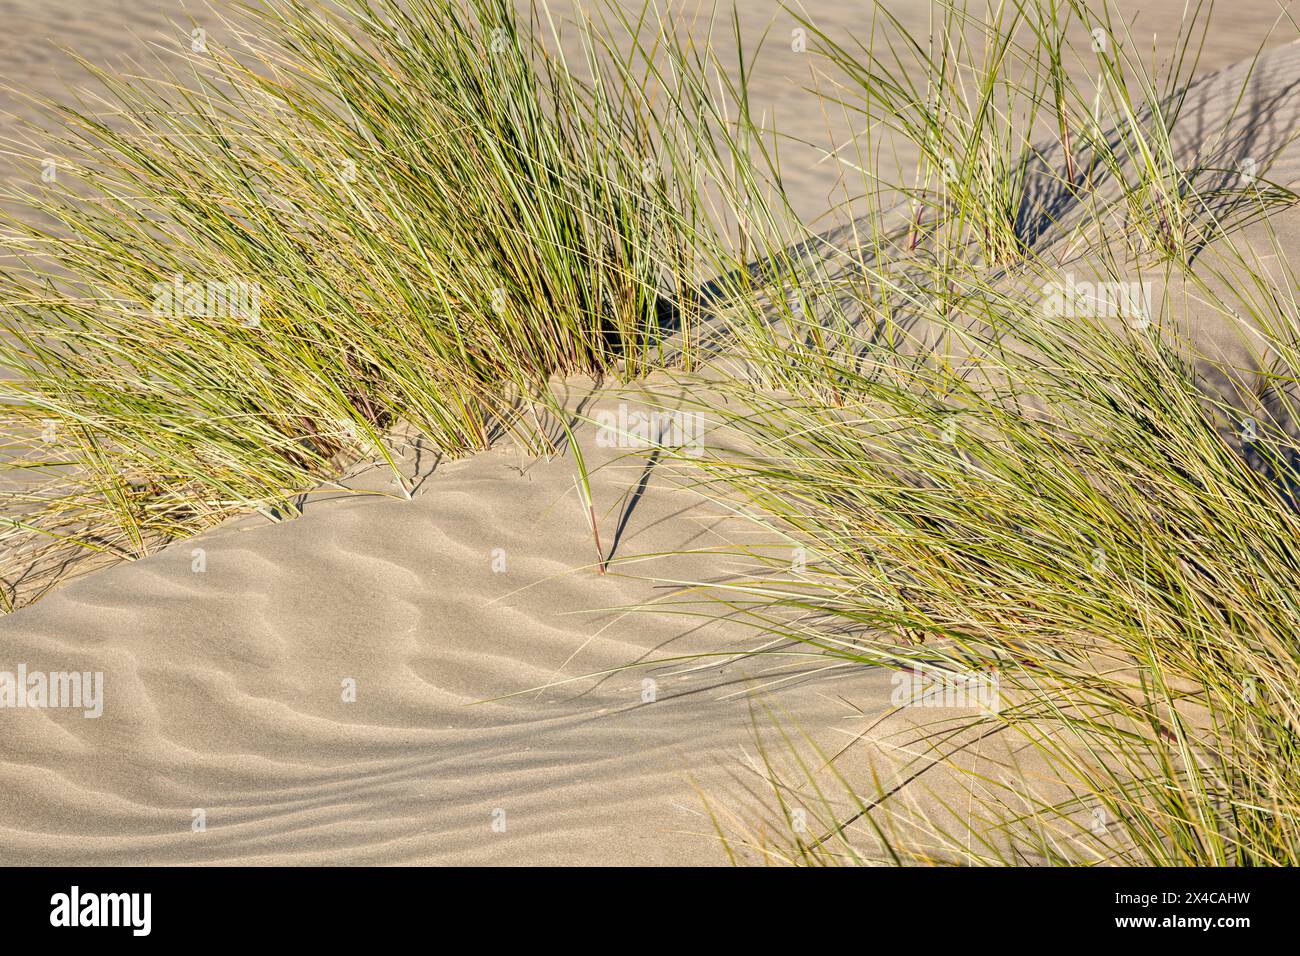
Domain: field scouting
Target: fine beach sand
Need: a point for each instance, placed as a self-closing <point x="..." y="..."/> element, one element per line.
<point x="485" y="650"/>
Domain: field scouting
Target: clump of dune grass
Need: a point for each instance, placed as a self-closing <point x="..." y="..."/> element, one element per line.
<point x="984" y="485"/>
<point x="233" y="274"/>
<point x="1040" y="130"/>
<point x="962" y="96"/>
<point x="1159" y="195"/>
<point x="1068" y="502"/>
<point x="980" y="96"/>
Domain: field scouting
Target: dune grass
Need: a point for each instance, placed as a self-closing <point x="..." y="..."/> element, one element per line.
<point x="310" y="224"/>
<point x="977" y="96"/>
<point x="1091" y="529"/>
<point x="1064" y="499"/>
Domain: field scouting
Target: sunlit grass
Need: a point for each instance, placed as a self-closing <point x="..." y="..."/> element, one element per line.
<point x="241" y="275"/>
<point x="982" y="485"/>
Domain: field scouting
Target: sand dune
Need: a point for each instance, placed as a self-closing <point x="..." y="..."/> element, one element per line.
<point x="492" y="720"/>
<point x="224" y="687"/>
